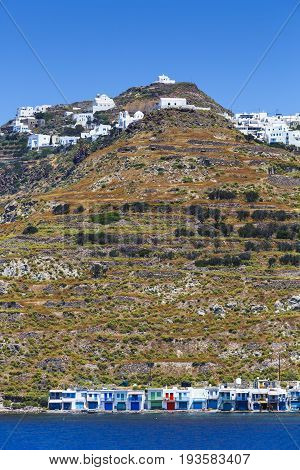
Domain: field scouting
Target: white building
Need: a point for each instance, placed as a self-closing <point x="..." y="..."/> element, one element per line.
<point x="294" y="138"/>
<point x="20" y="127"/>
<point x="171" y="103"/>
<point x="96" y="132"/>
<point x="277" y="129"/>
<point x="68" y="140"/>
<point x="25" y="111"/>
<point x="35" y="141"/>
<point x="29" y="111"/>
<point x="125" y="119"/>
<point x="276" y="133"/>
<point x="42" y="108"/>
<point x="102" y="103"/>
<point x="165" y="79"/>
<point x="83" y="118"/>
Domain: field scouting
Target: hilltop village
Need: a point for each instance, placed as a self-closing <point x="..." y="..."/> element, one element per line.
<point x="85" y="124"/>
<point x="91" y="123"/>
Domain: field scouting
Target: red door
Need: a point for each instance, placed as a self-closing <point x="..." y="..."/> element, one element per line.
<point x="171" y="406"/>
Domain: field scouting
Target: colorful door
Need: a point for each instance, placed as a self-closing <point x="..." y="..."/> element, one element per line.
<point x="182" y="405"/>
<point x="135" y="406"/>
<point x="227" y="406"/>
<point x="212" y="404"/>
<point x="121" y="406"/>
<point x="197" y="405"/>
<point x="171" y="406"/>
<point x="108" y="406"/>
<point x="241" y="405"/>
<point x="156" y="405"/>
<point x="92" y="405"/>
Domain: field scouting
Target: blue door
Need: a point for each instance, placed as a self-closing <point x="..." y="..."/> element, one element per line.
<point x="108" y="406"/>
<point x="197" y="405"/>
<point x="227" y="407"/>
<point x="182" y="405"/>
<point x="67" y="406"/>
<point x="241" y="405"/>
<point x="212" y="404"/>
<point x="135" y="406"/>
<point x="54" y="406"/>
<point x="93" y="405"/>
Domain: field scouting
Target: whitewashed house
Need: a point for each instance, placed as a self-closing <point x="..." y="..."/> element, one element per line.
<point x="68" y="140"/>
<point x="164" y="79"/>
<point x="171" y="103"/>
<point x="125" y="119"/>
<point x="83" y="118"/>
<point x="25" y="111"/>
<point x="97" y="131"/>
<point x="36" y="141"/>
<point x="276" y="133"/>
<point x="198" y="398"/>
<point x="102" y="103"/>
<point x="42" y="108"/>
<point x="20" y="127"/>
<point x="293" y="138"/>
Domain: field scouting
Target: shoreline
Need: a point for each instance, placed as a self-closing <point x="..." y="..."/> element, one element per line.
<point x="38" y="411"/>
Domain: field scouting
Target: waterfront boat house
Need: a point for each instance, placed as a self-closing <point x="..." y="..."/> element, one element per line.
<point x="120" y="401"/>
<point x="136" y="400"/>
<point x="107" y="400"/>
<point x="242" y="399"/>
<point x="277" y="399"/>
<point x="93" y="400"/>
<point x="258" y="399"/>
<point x="212" y="397"/>
<point x="154" y="399"/>
<point x="183" y="399"/>
<point x="227" y="399"/>
<point x="198" y="398"/>
<point x="169" y="398"/>
<point x="294" y="399"/>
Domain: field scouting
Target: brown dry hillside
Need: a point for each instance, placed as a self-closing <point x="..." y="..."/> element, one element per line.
<point x="171" y="251"/>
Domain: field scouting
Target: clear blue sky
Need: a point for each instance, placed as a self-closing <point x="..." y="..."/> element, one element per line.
<point x="108" y="46"/>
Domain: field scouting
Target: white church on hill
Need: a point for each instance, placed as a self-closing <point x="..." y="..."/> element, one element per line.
<point x="165" y="79"/>
<point x="125" y="119"/>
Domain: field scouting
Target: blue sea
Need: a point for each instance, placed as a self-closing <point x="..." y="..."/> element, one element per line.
<point x="150" y="431"/>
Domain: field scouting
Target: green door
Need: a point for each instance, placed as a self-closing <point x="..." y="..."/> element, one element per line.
<point x="121" y="406"/>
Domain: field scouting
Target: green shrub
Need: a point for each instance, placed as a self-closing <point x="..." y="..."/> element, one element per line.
<point x="61" y="209"/>
<point x="105" y="218"/>
<point x="30" y="229"/>
<point x="252" y="196"/>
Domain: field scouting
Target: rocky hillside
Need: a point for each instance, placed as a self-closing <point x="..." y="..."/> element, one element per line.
<point x="166" y="253"/>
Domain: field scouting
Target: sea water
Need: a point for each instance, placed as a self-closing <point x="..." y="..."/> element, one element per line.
<point x="150" y="431"/>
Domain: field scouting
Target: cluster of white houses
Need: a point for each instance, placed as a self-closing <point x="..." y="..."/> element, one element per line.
<point x="278" y="129"/>
<point x="263" y="396"/>
<point x="26" y="119"/>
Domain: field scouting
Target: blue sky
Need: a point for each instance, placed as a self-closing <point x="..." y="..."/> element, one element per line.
<point x="108" y="46"/>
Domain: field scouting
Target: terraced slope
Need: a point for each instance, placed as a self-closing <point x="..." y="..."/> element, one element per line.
<point x="170" y="254"/>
